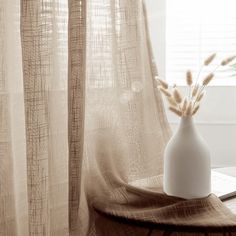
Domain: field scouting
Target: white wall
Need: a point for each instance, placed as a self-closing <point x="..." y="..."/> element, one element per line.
<point x="217" y="117"/>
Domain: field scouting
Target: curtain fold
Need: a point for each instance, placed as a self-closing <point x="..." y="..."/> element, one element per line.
<point x="80" y="115"/>
<point x="7" y="204"/>
<point x="125" y="125"/>
<point x="36" y="62"/>
<point x="44" y="52"/>
<point x="76" y="102"/>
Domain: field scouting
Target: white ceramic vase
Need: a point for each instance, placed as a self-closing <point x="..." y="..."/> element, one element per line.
<point x="187" y="165"/>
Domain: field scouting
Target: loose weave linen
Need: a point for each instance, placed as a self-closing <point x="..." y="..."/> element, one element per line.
<point x="80" y="118"/>
<point x="146" y="210"/>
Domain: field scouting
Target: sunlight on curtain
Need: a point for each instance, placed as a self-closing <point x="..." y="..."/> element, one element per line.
<point x="114" y="109"/>
<point x="33" y="110"/>
<point x="13" y="195"/>
<point x="125" y="125"/>
<point x="44" y="58"/>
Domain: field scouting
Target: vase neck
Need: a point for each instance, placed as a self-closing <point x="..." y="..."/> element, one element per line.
<point x="187" y="124"/>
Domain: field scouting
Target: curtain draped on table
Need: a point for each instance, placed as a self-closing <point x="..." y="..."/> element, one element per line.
<point x="79" y="111"/>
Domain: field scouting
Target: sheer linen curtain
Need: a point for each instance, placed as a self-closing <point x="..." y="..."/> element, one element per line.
<point x="79" y="111"/>
<point x="125" y="125"/>
<point x="33" y="111"/>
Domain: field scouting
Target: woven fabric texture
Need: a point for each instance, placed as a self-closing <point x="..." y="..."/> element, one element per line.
<point x="80" y="118"/>
<point x="146" y="210"/>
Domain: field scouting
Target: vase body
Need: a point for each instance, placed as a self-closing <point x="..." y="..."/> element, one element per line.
<point x="187" y="164"/>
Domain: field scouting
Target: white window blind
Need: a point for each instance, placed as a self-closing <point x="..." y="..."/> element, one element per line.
<point x="195" y="29"/>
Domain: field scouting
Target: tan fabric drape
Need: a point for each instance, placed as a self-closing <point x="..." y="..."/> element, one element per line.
<point x="125" y="125"/>
<point x="80" y="116"/>
<point x="33" y="113"/>
<point x="73" y="74"/>
<point x="7" y="203"/>
<point x="43" y="34"/>
<point x="76" y="101"/>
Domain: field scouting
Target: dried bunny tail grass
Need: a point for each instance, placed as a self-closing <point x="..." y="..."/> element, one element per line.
<point x="200" y="96"/>
<point x="209" y="59"/>
<point x="207" y="80"/>
<point x="176" y="111"/>
<point x="195" y="90"/>
<point x="195" y="110"/>
<point x="163" y="83"/>
<point x="227" y="60"/>
<point x="189" y="78"/>
<point x="189" y="109"/>
<point x="177" y="95"/>
<point x="184" y="105"/>
<point x="164" y="91"/>
<point x="172" y="101"/>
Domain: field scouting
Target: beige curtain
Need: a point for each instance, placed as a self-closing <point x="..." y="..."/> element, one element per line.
<point x="79" y="112"/>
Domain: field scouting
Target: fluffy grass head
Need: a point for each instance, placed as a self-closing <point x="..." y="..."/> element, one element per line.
<point x="177" y="95"/>
<point x="189" y="105"/>
<point x="209" y="59"/>
<point x="189" y="78"/>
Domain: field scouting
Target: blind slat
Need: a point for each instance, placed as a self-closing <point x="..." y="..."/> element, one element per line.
<point x="194" y="30"/>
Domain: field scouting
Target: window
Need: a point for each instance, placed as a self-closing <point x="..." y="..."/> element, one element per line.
<point x="194" y="30"/>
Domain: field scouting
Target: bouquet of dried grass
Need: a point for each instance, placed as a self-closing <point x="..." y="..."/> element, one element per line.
<point x="189" y="105"/>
